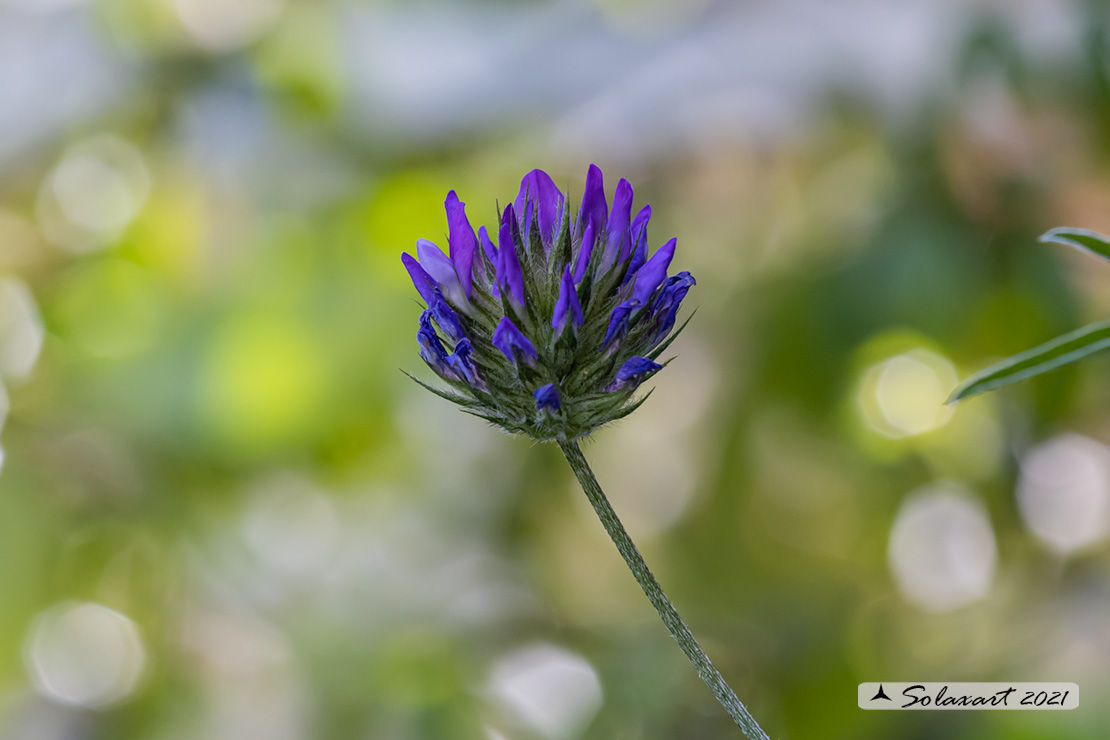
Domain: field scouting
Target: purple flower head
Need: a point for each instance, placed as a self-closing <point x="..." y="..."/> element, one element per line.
<point x="540" y="200"/>
<point x="550" y="342"/>
<point x="547" y="397"/>
<point x="567" y="306"/>
<point x="633" y="372"/>
<point x="460" y="240"/>
<point x="510" y="278"/>
<point x="512" y="343"/>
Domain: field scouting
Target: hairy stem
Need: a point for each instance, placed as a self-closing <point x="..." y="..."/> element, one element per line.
<point x="709" y="674"/>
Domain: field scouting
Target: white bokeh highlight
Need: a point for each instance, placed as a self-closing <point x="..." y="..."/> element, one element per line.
<point x="1063" y="492"/>
<point x="84" y="654"/>
<point x="21" y="329"/>
<point x="904" y="395"/>
<point x="942" y="550"/>
<point x="96" y="190"/>
<point x="553" y="691"/>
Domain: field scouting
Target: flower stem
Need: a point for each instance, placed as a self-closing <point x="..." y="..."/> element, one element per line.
<point x="709" y="674"/>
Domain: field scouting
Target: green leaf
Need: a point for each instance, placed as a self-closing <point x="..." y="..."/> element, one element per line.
<point x="1060" y="351"/>
<point x="452" y="397"/>
<point x="633" y="406"/>
<point x="1085" y="239"/>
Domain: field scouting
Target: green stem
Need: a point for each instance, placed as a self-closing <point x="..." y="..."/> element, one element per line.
<point x="709" y="674"/>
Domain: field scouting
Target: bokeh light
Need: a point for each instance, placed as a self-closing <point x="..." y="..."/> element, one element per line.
<point x="1063" y="492"/>
<point x="94" y="192"/>
<point x="85" y="655"/>
<point x="553" y="691"/>
<point x="903" y="396"/>
<point x="942" y="551"/>
<point x="21" y="330"/>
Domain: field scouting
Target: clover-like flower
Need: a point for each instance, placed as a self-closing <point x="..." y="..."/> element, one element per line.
<point x="549" y="330"/>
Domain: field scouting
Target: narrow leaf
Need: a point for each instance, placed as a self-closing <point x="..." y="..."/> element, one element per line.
<point x="1085" y="239"/>
<point x="491" y="419"/>
<point x="1060" y="351"/>
<point x="453" y="397"/>
<point x="633" y="406"/>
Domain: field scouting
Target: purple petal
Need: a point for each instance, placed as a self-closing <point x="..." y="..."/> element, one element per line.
<point x="511" y="342"/>
<point x="654" y="271"/>
<point x="594" y="208"/>
<point x="674" y="290"/>
<point x="547" y="397"/>
<point x="446" y="319"/>
<point x="489" y="271"/>
<point x="585" y="252"/>
<point x="487" y="245"/>
<point x="618" y="322"/>
<point x="665" y="307"/>
<point x="567" y="305"/>
<point x="425" y="286"/>
<point x="509" y="274"/>
<point x="639" y="224"/>
<point x="539" y="198"/>
<point x="460" y="240"/>
<point x="639" y="241"/>
<point x="442" y="270"/>
<point x="633" y="372"/>
<point x="464" y="366"/>
<point x="436" y="263"/>
<point x="432" y="350"/>
<point x="618" y="242"/>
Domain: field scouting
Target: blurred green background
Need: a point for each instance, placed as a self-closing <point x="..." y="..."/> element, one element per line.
<point x="225" y="513"/>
